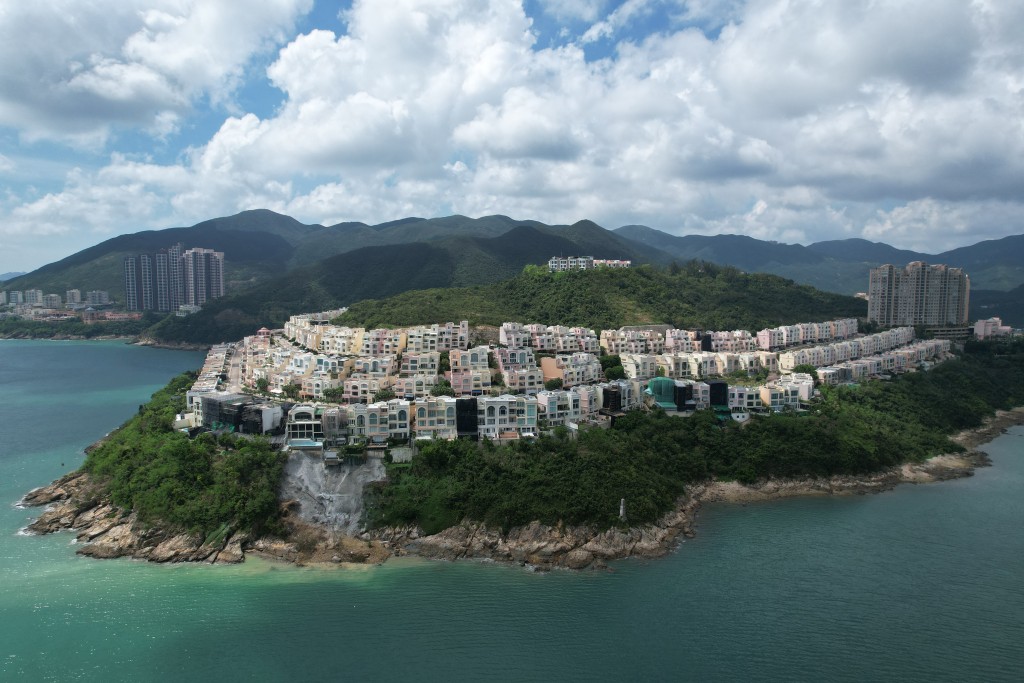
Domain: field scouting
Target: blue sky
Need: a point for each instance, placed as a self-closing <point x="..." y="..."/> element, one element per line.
<point x="897" y="121"/>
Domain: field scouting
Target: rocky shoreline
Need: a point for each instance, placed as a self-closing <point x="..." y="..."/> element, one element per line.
<point x="174" y="346"/>
<point x="137" y="341"/>
<point x="106" y="531"/>
<point x="67" y="337"/>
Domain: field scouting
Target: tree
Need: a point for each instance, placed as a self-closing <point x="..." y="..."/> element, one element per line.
<point x="444" y="364"/>
<point x="442" y="388"/>
<point x="262" y="385"/>
<point x="615" y="372"/>
<point x="553" y="384"/>
<point x="291" y="391"/>
<point x="385" y="394"/>
<point x="498" y="379"/>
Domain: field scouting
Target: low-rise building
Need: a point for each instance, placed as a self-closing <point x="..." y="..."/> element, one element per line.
<point x="506" y="417"/>
<point x="470" y="382"/>
<point x="577" y="368"/>
<point x="524" y="380"/>
<point x="475" y="358"/>
<point x="415" y="387"/>
<point x="435" y="418"/>
<point x="992" y="327"/>
<point x="421" y="363"/>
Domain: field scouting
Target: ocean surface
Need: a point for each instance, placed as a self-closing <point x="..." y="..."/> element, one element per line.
<point x="925" y="583"/>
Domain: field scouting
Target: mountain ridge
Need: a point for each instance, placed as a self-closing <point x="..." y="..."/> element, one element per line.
<point x="263" y="246"/>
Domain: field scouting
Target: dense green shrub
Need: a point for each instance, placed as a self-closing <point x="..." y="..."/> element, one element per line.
<point x="198" y="485"/>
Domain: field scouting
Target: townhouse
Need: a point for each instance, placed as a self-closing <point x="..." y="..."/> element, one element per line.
<point x="624" y="340"/>
<point x="573" y="369"/>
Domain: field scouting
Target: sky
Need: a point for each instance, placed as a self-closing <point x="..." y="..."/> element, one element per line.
<point x="791" y="120"/>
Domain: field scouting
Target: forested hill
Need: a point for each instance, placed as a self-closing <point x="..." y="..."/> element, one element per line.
<point x="346" y="278"/>
<point x="698" y="295"/>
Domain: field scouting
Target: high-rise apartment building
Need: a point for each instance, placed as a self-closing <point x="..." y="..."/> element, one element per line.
<point x="132" y="286"/>
<point x="203" y="275"/>
<point x="172" y="277"/>
<point x="73" y="296"/>
<point x="175" y="277"/>
<point x="919" y="294"/>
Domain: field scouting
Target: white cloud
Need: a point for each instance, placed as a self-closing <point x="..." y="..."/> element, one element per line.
<point x="85" y="67"/>
<point x="617" y="20"/>
<point x="800" y="121"/>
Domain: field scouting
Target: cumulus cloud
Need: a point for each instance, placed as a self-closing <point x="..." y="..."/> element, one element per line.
<point x="895" y="120"/>
<point x="85" y="67"/>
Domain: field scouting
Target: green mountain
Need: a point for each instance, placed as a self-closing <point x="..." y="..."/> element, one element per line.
<point x="990" y="303"/>
<point x="256" y="245"/>
<point x="840" y="266"/>
<point x="9" y="276"/>
<point x="345" y="237"/>
<point x="372" y="272"/>
<point x="698" y="294"/>
<point x="861" y="250"/>
<point x="276" y="266"/>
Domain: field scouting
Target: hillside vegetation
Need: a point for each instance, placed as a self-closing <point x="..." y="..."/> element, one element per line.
<point x="695" y="295"/>
<point x="648" y="458"/>
<point x="373" y="272"/>
<point x="202" y="485"/>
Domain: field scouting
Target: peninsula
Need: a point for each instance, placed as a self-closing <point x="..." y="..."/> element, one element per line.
<point x="577" y="447"/>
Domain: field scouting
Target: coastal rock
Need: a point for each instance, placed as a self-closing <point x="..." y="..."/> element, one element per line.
<point x="276" y="548"/>
<point x="57" y="517"/>
<point x="180" y="548"/>
<point x="97" y="521"/>
<point x="450" y="544"/>
<point x="233" y="552"/>
<point x="72" y="485"/>
<point x="578" y="559"/>
<point x="120" y="541"/>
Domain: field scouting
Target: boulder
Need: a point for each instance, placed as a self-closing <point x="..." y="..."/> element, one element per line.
<point x="578" y="559"/>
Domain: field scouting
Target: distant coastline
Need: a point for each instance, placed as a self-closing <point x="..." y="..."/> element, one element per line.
<point x="105" y="531"/>
<point x="127" y="339"/>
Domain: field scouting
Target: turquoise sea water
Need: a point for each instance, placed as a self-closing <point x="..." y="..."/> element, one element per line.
<point x="923" y="583"/>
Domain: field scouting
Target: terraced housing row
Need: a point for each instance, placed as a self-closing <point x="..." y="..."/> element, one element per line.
<point x="380" y="385"/>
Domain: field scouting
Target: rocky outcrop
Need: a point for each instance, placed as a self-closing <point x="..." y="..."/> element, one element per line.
<point x="107" y="531"/>
<point x="543" y="546"/>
